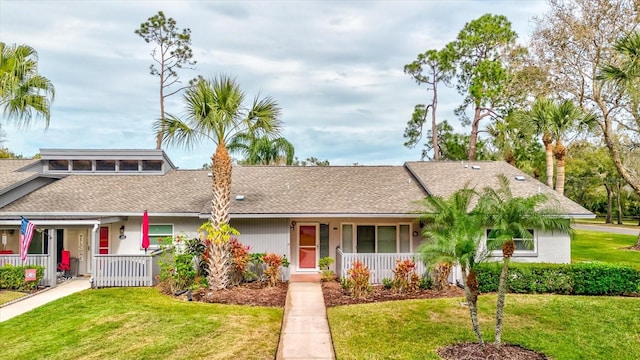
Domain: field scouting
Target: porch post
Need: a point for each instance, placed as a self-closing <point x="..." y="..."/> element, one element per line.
<point x="52" y="240"/>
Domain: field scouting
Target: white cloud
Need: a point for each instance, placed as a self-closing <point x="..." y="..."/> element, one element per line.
<point x="335" y="67"/>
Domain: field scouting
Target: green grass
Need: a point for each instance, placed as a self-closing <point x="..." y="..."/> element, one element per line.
<point x="626" y="222"/>
<point x="563" y="327"/>
<point x="605" y="247"/>
<point x="8" y="295"/>
<point x="140" y="323"/>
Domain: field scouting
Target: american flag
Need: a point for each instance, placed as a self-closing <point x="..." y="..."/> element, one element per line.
<point x="26" y="234"/>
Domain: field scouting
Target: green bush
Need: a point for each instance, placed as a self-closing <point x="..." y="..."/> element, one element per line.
<point x="605" y="279"/>
<point x="12" y="277"/>
<point x="577" y="279"/>
<point x="426" y="282"/>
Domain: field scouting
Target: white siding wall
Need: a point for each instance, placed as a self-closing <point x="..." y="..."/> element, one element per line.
<point x="264" y="235"/>
<point x="551" y="247"/>
<point x="133" y="231"/>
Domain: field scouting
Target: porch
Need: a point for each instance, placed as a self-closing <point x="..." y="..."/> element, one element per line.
<point x="381" y="265"/>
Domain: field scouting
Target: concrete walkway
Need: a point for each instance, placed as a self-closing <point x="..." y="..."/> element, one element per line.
<point x="66" y="288"/>
<point x="305" y="330"/>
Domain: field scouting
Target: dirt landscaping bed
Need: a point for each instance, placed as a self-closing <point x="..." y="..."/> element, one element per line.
<point x="252" y="294"/>
<point x="334" y="295"/>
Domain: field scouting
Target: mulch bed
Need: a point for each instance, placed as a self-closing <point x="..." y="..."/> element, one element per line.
<point x="473" y="351"/>
<point x="252" y="294"/>
<point x="335" y="296"/>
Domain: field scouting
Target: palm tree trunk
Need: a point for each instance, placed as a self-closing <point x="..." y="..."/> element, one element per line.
<point x="218" y="248"/>
<point x="471" y="294"/>
<point x="221" y="172"/>
<point x="502" y="291"/>
<point x="548" y="150"/>
<point x="218" y="276"/>
<point x="560" y="152"/>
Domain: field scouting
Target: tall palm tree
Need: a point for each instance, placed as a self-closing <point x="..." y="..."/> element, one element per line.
<point x="566" y="117"/>
<point x="24" y="94"/>
<point x="539" y="117"/>
<point x="263" y="150"/>
<point x="453" y="236"/>
<point x="215" y="111"/>
<point x="511" y="218"/>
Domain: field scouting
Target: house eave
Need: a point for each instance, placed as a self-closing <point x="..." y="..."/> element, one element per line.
<point x="317" y="215"/>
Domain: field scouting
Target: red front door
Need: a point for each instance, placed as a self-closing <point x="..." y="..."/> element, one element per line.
<point x="103" y="245"/>
<point x="308" y="247"/>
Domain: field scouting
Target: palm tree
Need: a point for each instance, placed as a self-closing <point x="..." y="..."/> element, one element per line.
<point x="512" y="218"/>
<point x="566" y="117"/>
<point x="263" y="150"/>
<point x="215" y="111"/>
<point x="453" y="237"/>
<point x="24" y="94"/>
<point x="539" y="117"/>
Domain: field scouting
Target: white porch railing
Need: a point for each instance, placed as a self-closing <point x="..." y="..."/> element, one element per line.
<point x="32" y="259"/>
<point x="380" y="265"/>
<point x="125" y="270"/>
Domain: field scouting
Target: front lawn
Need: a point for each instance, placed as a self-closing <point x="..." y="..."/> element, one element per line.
<point x="563" y="327"/>
<point x="139" y="323"/>
<point x="8" y="295"/>
<point x="605" y="247"/>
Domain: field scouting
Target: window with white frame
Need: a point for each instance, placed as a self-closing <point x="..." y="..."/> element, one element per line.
<point x="523" y="246"/>
<point x="158" y="232"/>
<point x="383" y="238"/>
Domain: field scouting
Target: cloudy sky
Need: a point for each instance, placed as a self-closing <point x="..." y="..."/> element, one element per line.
<point x="335" y="68"/>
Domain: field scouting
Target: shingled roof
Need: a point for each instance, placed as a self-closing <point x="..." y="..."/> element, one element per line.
<point x="267" y="191"/>
<point x="442" y="178"/>
<point x="10" y="174"/>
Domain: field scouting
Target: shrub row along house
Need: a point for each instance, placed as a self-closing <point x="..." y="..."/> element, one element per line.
<point x="91" y="203"/>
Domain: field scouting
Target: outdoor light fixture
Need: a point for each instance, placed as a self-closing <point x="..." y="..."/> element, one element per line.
<point x="122" y="235"/>
<point x="293" y="225"/>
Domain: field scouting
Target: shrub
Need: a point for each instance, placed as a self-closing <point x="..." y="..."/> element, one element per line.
<point x="577" y="279"/>
<point x="605" y="279"/>
<point x="441" y="275"/>
<point x="405" y="278"/>
<point x="197" y="248"/>
<point x="272" y="272"/>
<point x="358" y="280"/>
<point x="177" y="270"/>
<point x="12" y="277"/>
<point x="324" y="263"/>
<point x="387" y="283"/>
<point x="239" y="259"/>
<point x="426" y="282"/>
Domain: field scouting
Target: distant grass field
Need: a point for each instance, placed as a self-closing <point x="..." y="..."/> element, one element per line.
<point x="140" y="323"/>
<point x="626" y="222"/>
<point x="606" y="247"/>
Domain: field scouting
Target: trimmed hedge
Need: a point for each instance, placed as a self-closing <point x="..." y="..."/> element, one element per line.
<point x="576" y="279"/>
<point x="12" y="277"/>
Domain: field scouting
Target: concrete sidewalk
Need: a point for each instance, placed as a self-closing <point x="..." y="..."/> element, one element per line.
<point x="66" y="288"/>
<point x="305" y="330"/>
